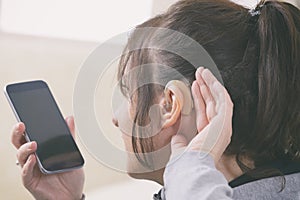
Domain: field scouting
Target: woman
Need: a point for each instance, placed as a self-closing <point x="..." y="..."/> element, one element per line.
<point x="258" y="55"/>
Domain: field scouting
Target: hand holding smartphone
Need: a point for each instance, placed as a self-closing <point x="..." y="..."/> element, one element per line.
<point x="34" y="105"/>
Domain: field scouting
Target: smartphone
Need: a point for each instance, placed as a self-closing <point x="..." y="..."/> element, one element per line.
<point x="34" y="105"/>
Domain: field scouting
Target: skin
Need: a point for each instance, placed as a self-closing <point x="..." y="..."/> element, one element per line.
<point x="213" y="107"/>
<point x="64" y="186"/>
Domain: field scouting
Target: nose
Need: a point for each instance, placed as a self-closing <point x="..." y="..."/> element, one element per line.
<point x="115" y="121"/>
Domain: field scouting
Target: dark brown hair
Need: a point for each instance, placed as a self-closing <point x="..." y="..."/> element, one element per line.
<point x="258" y="57"/>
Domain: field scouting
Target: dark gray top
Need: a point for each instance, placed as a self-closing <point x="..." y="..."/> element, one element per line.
<point x="194" y="176"/>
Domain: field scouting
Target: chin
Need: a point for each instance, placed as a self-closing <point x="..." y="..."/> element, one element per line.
<point x="137" y="171"/>
<point x="137" y="175"/>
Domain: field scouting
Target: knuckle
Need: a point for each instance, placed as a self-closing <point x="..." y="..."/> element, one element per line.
<point x="24" y="173"/>
<point x="22" y="151"/>
<point x="19" y="155"/>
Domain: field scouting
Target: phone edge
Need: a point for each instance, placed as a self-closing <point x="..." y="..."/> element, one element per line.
<point x="42" y="169"/>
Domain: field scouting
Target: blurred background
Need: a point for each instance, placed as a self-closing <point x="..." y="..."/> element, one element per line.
<point x="49" y="40"/>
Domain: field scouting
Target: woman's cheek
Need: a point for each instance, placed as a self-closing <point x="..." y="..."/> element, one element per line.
<point x="127" y="142"/>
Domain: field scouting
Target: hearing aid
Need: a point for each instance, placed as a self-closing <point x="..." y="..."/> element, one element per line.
<point x="183" y="94"/>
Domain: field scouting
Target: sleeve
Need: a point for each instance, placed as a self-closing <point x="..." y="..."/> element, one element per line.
<point x="193" y="176"/>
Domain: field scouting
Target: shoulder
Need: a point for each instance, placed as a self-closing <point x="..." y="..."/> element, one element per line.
<point x="280" y="187"/>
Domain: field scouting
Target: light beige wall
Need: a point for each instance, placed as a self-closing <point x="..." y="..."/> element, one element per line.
<point x="295" y="2"/>
<point x="160" y="6"/>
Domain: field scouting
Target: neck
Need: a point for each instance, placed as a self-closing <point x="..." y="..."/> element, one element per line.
<point x="229" y="167"/>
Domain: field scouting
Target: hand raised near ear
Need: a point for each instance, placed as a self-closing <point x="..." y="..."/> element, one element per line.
<point x="214" y="110"/>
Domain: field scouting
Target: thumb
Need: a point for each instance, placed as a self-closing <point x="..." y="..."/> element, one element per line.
<point x="178" y="142"/>
<point x="178" y="145"/>
<point x="71" y="125"/>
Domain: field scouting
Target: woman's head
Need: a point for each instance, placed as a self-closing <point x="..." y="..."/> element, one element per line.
<point x="258" y="57"/>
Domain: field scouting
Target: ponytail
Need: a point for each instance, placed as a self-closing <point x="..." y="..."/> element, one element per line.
<point x="278" y="107"/>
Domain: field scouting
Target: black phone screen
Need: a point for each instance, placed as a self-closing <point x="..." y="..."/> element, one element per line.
<point x="36" y="107"/>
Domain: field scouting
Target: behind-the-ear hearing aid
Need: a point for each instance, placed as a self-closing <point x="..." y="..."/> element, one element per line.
<point x="183" y="93"/>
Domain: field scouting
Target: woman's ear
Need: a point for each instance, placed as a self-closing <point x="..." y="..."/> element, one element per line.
<point x="177" y="100"/>
<point x="171" y="107"/>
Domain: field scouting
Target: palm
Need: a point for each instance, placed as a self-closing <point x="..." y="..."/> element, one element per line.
<point x="63" y="186"/>
<point x="214" y="109"/>
<point x="67" y="185"/>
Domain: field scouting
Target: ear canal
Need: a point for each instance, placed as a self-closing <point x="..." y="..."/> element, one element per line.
<point x="183" y="93"/>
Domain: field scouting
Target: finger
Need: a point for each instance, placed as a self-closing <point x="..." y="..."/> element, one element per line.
<point x="71" y="125"/>
<point x="207" y="97"/>
<point x="198" y="75"/>
<point x="216" y="136"/>
<point x="224" y="116"/>
<point x="28" y="170"/>
<point x="217" y="90"/>
<point x="17" y="137"/>
<point x="201" y="118"/>
<point x="177" y="142"/>
<point x="25" y="151"/>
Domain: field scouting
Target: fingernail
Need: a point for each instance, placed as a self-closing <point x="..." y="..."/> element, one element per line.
<point x="32" y="145"/>
<point x="18" y="126"/>
<point x="199" y="69"/>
